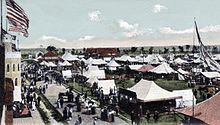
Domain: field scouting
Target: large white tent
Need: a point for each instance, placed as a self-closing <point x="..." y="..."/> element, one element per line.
<point x="89" y="61"/>
<point x="44" y="63"/>
<point x="92" y="80"/>
<point x="148" y="91"/>
<point x="51" y="64"/>
<point x="180" y="61"/>
<point x="187" y="98"/>
<point x="69" y="57"/>
<point x="211" y="75"/>
<point x="163" y="68"/>
<point x="113" y="65"/>
<point x="106" y="85"/>
<point x="100" y="74"/>
<point x="125" y="58"/>
<point x="135" y="67"/>
<point x="98" y="62"/>
<point x="67" y="73"/>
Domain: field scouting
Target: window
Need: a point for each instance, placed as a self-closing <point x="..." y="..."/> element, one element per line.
<point x="13" y="67"/>
<point x="16" y="81"/>
<point x="18" y="67"/>
<point x="8" y="68"/>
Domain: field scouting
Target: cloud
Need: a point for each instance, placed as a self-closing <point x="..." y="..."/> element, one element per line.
<point x="95" y="16"/>
<point x="125" y="25"/>
<point x="132" y="30"/>
<point x="52" y="38"/>
<point x="134" y="33"/>
<point x="158" y="8"/>
<point x="169" y="30"/>
<point x="85" y="38"/>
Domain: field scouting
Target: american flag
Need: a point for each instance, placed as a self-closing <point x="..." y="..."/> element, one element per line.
<point x="207" y="57"/>
<point x="17" y="18"/>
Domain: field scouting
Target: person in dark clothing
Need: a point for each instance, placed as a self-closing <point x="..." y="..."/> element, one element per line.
<point x="148" y="115"/>
<point x="156" y="116"/>
<point x="132" y="117"/>
<point x="44" y="90"/>
<point x="38" y="100"/>
<point x="65" y="113"/>
<point x="61" y="102"/>
<point x="79" y="119"/>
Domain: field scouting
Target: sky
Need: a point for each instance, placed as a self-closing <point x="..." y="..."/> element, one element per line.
<point x="103" y="23"/>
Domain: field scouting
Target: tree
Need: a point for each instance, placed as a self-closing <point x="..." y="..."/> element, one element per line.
<point x="174" y="49"/>
<point x="166" y="50"/>
<point x="142" y="49"/>
<point x="214" y="49"/>
<point x="51" y="48"/>
<point x="187" y="48"/>
<point x="181" y="49"/>
<point x="195" y="49"/>
<point x="151" y="50"/>
<point x="73" y="51"/>
<point x="133" y="49"/>
<point x="63" y="50"/>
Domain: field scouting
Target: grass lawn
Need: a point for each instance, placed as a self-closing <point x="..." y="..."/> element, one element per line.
<point x="171" y="85"/>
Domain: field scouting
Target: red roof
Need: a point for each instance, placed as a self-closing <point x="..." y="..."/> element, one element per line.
<point x="50" y="56"/>
<point x="146" y="68"/>
<point x="103" y="51"/>
<point x="207" y="111"/>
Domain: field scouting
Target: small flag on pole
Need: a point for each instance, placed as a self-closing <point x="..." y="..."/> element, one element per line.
<point x="17" y="18"/>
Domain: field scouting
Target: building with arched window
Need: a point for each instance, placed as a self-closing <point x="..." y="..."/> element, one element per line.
<point x="12" y="63"/>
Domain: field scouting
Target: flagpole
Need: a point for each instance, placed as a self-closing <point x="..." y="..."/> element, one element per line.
<point x="1" y="22"/>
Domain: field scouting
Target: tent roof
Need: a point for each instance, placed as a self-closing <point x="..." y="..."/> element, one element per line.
<point x="112" y="63"/>
<point x="67" y="73"/>
<point x="207" y="111"/>
<point x="163" y="68"/>
<point x="44" y="63"/>
<point x="148" y="91"/>
<point x="180" y="61"/>
<point x="211" y="74"/>
<point x="98" y="62"/>
<point x="95" y="73"/>
<point x="125" y="58"/>
<point x="51" y="64"/>
<point x="182" y="71"/>
<point x="106" y="85"/>
<point x="68" y="56"/>
<point x="92" y="80"/>
<point x="135" y="67"/>
<point x="146" y="68"/>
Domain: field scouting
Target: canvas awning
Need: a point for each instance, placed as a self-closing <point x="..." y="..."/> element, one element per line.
<point x="211" y="74"/>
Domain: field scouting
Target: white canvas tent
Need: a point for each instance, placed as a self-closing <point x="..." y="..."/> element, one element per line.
<point x="44" y="63"/>
<point x="98" y="62"/>
<point x="51" y="64"/>
<point x="211" y="75"/>
<point x="67" y="73"/>
<point x="92" y="80"/>
<point x="106" y="85"/>
<point x="125" y="58"/>
<point x="148" y="91"/>
<point x="187" y="98"/>
<point x="69" y="57"/>
<point x="180" y="61"/>
<point x="100" y="74"/>
<point x="163" y="68"/>
<point x="113" y="65"/>
<point x="89" y="61"/>
<point x="135" y="67"/>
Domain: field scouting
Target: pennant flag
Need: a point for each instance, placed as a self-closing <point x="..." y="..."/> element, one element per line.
<point x="212" y="64"/>
<point x="17" y="18"/>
